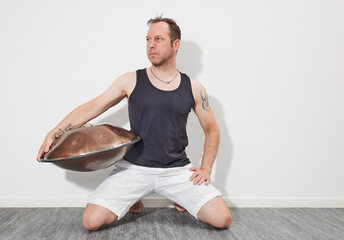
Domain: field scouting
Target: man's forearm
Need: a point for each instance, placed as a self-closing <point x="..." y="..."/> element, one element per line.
<point x="75" y="119"/>
<point x="211" y="145"/>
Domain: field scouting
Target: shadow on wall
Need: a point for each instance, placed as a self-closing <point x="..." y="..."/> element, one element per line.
<point x="222" y="163"/>
<point x="225" y="153"/>
<point x="189" y="61"/>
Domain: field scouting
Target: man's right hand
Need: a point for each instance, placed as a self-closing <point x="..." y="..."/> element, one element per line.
<point x="47" y="144"/>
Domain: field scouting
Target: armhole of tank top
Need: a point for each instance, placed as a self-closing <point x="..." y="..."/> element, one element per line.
<point x="137" y="73"/>
<point x="188" y="79"/>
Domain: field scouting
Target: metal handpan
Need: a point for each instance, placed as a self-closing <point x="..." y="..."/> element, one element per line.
<point x="91" y="148"/>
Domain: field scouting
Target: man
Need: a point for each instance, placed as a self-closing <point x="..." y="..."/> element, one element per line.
<point x="160" y="99"/>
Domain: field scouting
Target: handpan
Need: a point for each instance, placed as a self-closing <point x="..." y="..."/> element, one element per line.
<point x="91" y="148"/>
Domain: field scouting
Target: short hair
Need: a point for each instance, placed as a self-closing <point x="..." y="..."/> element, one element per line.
<point x="174" y="33"/>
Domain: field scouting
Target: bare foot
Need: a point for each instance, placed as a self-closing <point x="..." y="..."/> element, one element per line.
<point x="137" y="207"/>
<point x="179" y="208"/>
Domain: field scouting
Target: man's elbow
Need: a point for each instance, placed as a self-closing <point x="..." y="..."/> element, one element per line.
<point x="213" y="131"/>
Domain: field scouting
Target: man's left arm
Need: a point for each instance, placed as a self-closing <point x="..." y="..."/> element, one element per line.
<point x="212" y="134"/>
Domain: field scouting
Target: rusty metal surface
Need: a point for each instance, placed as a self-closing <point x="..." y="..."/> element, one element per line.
<point x="91" y="148"/>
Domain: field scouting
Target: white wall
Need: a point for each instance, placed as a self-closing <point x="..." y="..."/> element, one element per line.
<point x="274" y="71"/>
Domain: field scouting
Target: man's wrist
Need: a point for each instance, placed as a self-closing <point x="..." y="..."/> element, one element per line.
<point x="206" y="169"/>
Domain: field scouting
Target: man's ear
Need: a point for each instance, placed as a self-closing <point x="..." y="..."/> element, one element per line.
<point x="176" y="45"/>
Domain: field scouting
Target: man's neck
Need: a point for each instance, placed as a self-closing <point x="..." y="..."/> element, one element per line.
<point x="165" y="70"/>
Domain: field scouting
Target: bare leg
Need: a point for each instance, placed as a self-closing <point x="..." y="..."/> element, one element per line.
<point x="96" y="216"/>
<point x="179" y="208"/>
<point x="216" y="213"/>
<point x="137" y="207"/>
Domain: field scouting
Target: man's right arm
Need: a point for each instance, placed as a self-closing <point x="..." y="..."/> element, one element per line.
<point x="120" y="88"/>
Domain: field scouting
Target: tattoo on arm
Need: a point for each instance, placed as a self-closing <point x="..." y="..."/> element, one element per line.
<point x="69" y="127"/>
<point x="205" y="101"/>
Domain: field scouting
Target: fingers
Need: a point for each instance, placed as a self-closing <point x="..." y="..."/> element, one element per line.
<point x="193" y="176"/>
<point x="199" y="177"/>
<point x="38" y="158"/>
<point x="207" y="182"/>
<point x="199" y="180"/>
<point x="41" y="153"/>
<point x="44" y="148"/>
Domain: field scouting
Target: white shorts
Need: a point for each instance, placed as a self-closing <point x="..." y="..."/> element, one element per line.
<point x="128" y="183"/>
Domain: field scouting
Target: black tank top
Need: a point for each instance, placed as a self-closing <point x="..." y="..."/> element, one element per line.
<point x="159" y="117"/>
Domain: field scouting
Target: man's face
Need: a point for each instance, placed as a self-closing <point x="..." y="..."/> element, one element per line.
<point x="159" y="47"/>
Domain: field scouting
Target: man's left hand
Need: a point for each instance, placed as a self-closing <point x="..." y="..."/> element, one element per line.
<point x="200" y="176"/>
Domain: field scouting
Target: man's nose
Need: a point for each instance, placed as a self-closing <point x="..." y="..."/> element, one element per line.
<point x="151" y="44"/>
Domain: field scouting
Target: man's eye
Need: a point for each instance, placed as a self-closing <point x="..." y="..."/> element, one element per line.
<point x="159" y="38"/>
<point x="147" y="39"/>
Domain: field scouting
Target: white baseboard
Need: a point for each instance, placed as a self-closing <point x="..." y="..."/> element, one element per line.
<point x="162" y="202"/>
<point x="285" y="202"/>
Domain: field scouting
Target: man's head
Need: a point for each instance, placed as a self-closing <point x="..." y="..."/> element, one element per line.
<point x="174" y="32"/>
<point x="163" y="40"/>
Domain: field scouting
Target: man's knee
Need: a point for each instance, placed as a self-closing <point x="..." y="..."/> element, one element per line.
<point x="95" y="217"/>
<point x="223" y="221"/>
<point x="91" y="223"/>
<point x="215" y="213"/>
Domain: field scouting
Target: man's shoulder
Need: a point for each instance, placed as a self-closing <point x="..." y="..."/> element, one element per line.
<point x="131" y="76"/>
<point x="128" y="75"/>
<point x="195" y="84"/>
<point x="125" y="82"/>
<point x="126" y="78"/>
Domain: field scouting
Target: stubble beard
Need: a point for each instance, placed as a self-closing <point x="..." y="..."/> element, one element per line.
<point x="160" y="63"/>
<point x="162" y="60"/>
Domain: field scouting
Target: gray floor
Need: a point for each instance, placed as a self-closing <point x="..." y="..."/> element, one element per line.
<point x="167" y="223"/>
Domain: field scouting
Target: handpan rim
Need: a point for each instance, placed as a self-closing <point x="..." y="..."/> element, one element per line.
<point x="133" y="141"/>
